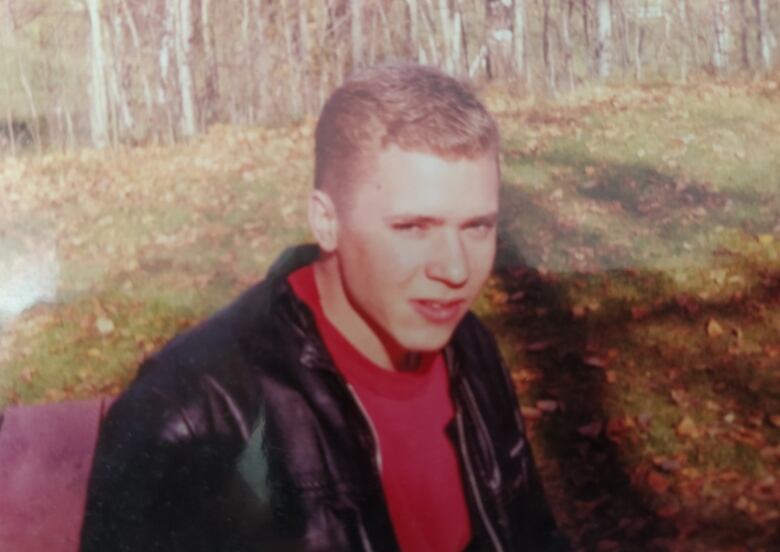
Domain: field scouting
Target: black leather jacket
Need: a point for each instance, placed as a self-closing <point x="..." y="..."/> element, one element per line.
<point x="241" y="435"/>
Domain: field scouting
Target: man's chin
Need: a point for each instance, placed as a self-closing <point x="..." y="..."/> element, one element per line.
<point x="426" y="340"/>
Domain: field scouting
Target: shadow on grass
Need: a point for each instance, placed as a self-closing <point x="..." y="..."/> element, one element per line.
<point x="601" y="503"/>
<point x="644" y="192"/>
<point x="597" y="495"/>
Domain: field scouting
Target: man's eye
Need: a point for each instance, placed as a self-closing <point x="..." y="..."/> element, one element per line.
<point x="409" y="227"/>
<point x="480" y="229"/>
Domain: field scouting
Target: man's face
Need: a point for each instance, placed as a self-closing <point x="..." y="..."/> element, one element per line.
<point x="417" y="243"/>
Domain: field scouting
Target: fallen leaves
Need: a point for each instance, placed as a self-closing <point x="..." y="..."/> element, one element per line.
<point x="745" y="436"/>
<point x="596" y="361"/>
<point x="104" y="325"/>
<point x="714" y="329"/>
<point x="540" y="345"/>
<point x="591" y="430"/>
<point x="547" y="405"/>
<point x="687" y="428"/>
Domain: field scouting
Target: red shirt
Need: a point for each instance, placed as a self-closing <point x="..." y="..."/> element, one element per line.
<point x="409" y="411"/>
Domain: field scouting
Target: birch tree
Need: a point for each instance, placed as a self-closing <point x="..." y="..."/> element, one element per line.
<point x="433" y="55"/>
<point x="356" y="28"/>
<point x="121" y="113"/>
<point x="764" y="34"/>
<point x="499" y="18"/>
<point x="518" y="36"/>
<point x="164" y="63"/>
<point x="211" y="81"/>
<point x="684" y="26"/>
<point x="568" y="50"/>
<point x="182" y="49"/>
<point x="603" y="38"/>
<point x="295" y="77"/>
<point x="413" y="11"/>
<point x="722" y="35"/>
<point x="446" y="36"/>
<point x="138" y="52"/>
<point x="98" y="105"/>
<point x="744" y="49"/>
<point x="547" y="52"/>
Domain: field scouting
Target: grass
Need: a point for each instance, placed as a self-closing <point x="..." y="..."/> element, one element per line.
<point x="636" y="290"/>
<point x="648" y="231"/>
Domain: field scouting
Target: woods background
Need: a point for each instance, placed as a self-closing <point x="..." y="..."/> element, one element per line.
<point x="108" y="72"/>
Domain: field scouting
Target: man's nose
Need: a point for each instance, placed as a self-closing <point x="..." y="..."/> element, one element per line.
<point x="449" y="263"/>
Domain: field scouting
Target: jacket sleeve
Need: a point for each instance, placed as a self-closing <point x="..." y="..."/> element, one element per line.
<point x="153" y="484"/>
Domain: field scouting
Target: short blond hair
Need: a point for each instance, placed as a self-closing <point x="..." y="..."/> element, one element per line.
<point x="414" y="107"/>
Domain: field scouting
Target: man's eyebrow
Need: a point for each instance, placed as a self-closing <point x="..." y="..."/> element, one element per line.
<point x="487" y="218"/>
<point x="411" y="217"/>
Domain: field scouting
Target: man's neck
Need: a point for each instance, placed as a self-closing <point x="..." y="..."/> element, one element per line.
<point x="340" y="313"/>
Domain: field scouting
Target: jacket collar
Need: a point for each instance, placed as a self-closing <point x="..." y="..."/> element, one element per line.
<point x="291" y="259"/>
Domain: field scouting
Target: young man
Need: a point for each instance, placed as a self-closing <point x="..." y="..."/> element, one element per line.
<point x="349" y="401"/>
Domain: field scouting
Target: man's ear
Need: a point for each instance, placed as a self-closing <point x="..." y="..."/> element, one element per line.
<point x="323" y="220"/>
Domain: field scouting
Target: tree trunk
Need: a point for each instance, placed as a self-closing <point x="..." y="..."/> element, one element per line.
<point x="97" y="86"/>
<point x="604" y="39"/>
<point x="414" y="30"/>
<point x="764" y="34"/>
<point x="689" y="56"/>
<point x="447" y="38"/>
<point x="660" y="53"/>
<point x="260" y="69"/>
<point x="9" y="121"/>
<point x="566" y="12"/>
<point x="245" y="110"/>
<point x="387" y="47"/>
<point x="586" y="25"/>
<point x="639" y="34"/>
<point x="164" y="62"/>
<point x="294" y="81"/>
<point x="373" y="37"/>
<point x="547" y="55"/>
<point x="118" y="84"/>
<point x="500" y="55"/>
<point x="304" y="42"/>
<point x="722" y="36"/>
<point x="435" y="54"/>
<point x="69" y="126"/>
<point x="518" y="37"/>
<point x="623" y="31"/>
<point x="130" y="21"/>
<point x="186" y="85"/>
<point x="356" y="28"/>
<point x="744" y="35"/>
<point x="211" y="93"/>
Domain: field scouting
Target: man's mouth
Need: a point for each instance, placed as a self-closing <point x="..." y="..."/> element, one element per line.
<point x="439" y="312"/>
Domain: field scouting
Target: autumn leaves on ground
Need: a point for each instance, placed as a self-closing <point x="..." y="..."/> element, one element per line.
<point x="636" y="297"/>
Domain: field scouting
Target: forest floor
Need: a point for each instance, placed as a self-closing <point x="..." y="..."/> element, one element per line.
<point x="636" y="296"/>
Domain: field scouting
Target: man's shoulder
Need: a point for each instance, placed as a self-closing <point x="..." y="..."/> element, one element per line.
<point x="184" y="383"/>
<point x="231" y="347"/>
<point x="218" y="337"/>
